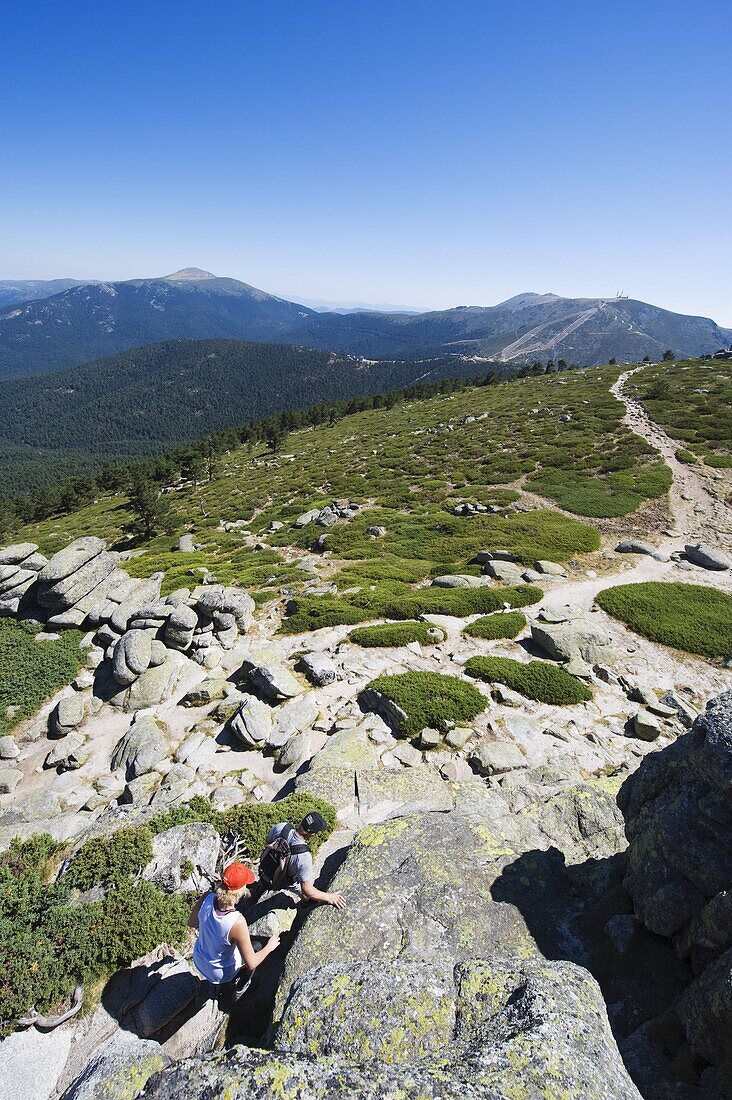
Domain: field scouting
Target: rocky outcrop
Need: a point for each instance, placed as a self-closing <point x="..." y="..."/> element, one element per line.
<point x="481" y="1029"/>
<point x="67" y="715"/>
<point x="140" y="637"/>
<point x="429" y="886"/>
<point x="252" y="724"/>
<point x="432" y="982"/>
<point x="19" y="568"/>
<point x="327" y="516"/>
<point x="118" y="1070"/>
<point x="505" y="571"/>
<point x="319" y="669"/>
<point x="275" y="681"/>
<point x="678" y="811"/>
<point x="458" y="580"/>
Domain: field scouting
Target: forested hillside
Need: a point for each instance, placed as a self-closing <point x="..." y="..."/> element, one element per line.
<point x="144" y="400"/>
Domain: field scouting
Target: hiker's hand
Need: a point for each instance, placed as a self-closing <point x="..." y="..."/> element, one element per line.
<point x="273" y="943"/>
<point x="337" y="900"/>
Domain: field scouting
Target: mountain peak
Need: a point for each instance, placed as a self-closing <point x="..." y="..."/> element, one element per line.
<point x="188" y="275"/>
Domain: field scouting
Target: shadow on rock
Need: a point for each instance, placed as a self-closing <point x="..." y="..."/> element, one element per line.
<point x="582" y="913"/>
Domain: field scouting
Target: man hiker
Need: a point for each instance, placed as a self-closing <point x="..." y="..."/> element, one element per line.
<point x="287" y="863"/>
<point x="286" y="877"/>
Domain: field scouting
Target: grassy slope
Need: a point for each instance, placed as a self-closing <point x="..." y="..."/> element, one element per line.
<point x="692" y="400"/>
<point x="410" y="465"/>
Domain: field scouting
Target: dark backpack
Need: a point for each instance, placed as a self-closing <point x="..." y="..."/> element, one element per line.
<point x="274" y="865"/>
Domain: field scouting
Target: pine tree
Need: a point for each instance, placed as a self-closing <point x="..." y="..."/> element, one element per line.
<point x="8" y="517"/>
<point x="151" y="512"/>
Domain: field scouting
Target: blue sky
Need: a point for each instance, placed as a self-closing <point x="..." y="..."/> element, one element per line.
<point x="426" y="154"/>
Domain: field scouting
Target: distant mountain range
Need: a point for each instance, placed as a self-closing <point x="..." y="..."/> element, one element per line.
<point x="91" y="320"/>
<point x="13" y="292"/>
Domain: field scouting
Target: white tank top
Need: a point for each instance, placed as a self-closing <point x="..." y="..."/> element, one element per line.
<point x="214" y="957"/>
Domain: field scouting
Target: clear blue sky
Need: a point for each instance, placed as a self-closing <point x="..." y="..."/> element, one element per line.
<point x="422" y="153"/>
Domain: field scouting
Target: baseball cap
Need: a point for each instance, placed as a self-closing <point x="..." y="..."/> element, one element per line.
<point x="313" y="823"/>
<point x="237" y="875"/>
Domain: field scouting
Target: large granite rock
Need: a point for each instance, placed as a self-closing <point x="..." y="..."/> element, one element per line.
<point x="708" y="557"/>
<point x="457" y="580"/>
<point x="319" y="669"/>
<point x="118" y="1070"/>
<point x="143" y="746"/>
<point x="333" y="772"/>
<point x="446" y="887"/>
<point x="132" y="656"/>
<point x="131" y="596"/>
<point x="68" y="753"/>
<point x="208" y="691"/>
<point x="505" y="571"/>
<point x="67" y="715"/>
<point x="153" y="686"/>
<point x="17" y="553"/>
<point x="32" y="1062"/>
<point x="489" y="1029"/>
<point x="212" y="598"/>
<point x="19" y="568"/>
<point x="275" y="681"/>
<point x="252" y="724"/>
<point x="179" y="627"/>
<point x="184" y="858"/>
<point x="69" y="560"/>
<point x="568" y="633"/>
<point x="678" y="811"/>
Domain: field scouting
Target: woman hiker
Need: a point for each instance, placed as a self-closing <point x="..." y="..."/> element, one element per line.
<point x="224" y="945"/>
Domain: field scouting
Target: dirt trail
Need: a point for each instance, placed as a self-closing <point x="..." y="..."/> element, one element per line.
<point x="697" y="504"/>
<point x="696" y="498"/>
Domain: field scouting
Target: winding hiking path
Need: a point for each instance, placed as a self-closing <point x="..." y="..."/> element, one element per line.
<point x="697" y="504"/>
<point x="696" y="498"/>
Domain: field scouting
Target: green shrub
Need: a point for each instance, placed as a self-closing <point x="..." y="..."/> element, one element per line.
<point x="539" y="680"/>
<point x="382" y="569"/>
<point x="31" y="671"/>
<point x="691" y="617"/>
<point x="386" y="602"/>
<point x="396" y="634"/>
<point x="686" y="456"/>
<point x="135" y="920"/>
<point x="431" y="699"/>
<point x="615" y="495"/>
<point x="111" y="860"/>
<point x="495" y="626"/>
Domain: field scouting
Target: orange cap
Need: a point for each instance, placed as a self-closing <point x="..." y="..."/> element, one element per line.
<point x="237" y="875"/>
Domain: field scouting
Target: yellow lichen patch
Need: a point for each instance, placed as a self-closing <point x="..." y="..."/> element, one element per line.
<point x="373" y="836"/>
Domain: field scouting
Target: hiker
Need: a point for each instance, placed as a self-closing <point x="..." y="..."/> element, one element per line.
<point x="287" y="863"/>
<point x="224" y="946"/>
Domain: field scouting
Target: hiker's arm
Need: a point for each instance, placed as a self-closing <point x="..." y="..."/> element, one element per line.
<point x="239" y="935"/>
<point x="193" y="918"/>
<point x="312" y="893"/>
